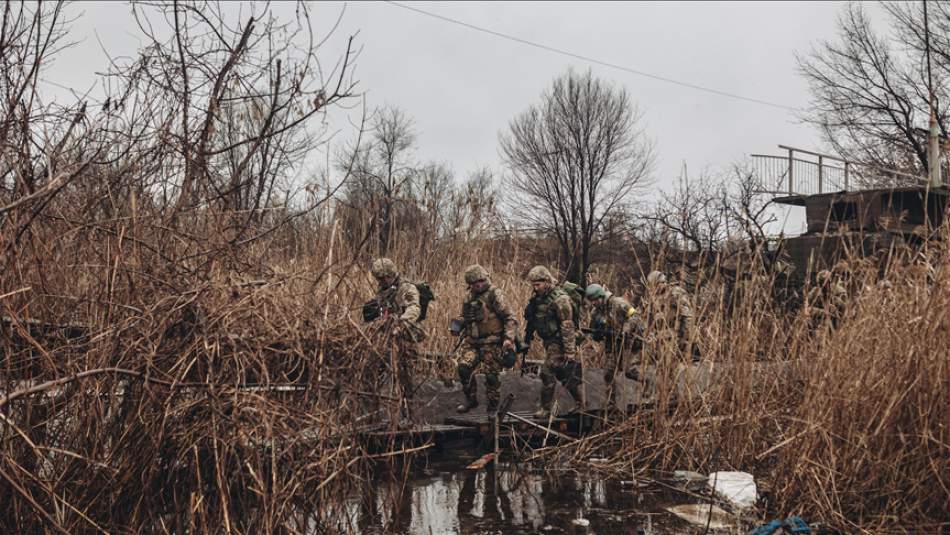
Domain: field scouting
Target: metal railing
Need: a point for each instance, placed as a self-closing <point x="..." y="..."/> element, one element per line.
<point x="804" y="172"/>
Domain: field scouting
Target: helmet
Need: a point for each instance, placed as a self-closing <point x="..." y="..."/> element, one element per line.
<point x="475" y="273"/>
<point x="823" y="276"/>
<point x="594" y="291"/>
<point x="540" y="274"/>
<point x="656" y="278"/>
<point x="384" y="267"/>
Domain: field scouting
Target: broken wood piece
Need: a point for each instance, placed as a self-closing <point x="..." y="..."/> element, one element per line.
<point x="480" y="463"/>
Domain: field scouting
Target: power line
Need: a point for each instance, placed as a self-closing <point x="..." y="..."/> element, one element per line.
<point x="592" y="60"/>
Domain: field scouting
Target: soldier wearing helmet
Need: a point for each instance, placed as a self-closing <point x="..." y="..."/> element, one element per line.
<point x="399" y="307"/>
<point x="670" y="321"/>
<point x="614" y="322"/>
<point x="489" y="331"/>
<point x="550" y="314"/>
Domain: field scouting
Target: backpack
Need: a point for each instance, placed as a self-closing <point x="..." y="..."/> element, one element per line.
<point x="425" y="297"/>
<point x="576" y="293"/>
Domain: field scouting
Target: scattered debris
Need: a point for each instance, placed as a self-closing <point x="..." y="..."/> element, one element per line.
<point x="702" y="514"/>
<point x="793" y="524"/>
<point x="738" y="488"/>
<point x="692" y="480"/>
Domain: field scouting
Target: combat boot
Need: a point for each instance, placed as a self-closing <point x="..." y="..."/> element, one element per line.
<point x="468" y="405"/>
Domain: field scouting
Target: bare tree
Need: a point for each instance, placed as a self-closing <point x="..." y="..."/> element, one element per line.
<point x="870" y="94"/>
<point x="381" y="170"/>
<point x="716" y="215"/>
<point x="474" y="207"/>
<point x="575" y="158"/>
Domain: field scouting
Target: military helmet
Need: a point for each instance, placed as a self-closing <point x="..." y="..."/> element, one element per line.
<point x="475" y="273"/>
<point x="384" y="267"/>
<point x="656" y="278"/>
<point x="594" y="291"/>
<point x="540" y="274"/>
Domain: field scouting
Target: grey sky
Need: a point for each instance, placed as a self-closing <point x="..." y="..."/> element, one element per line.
<point x="462" y="86"/>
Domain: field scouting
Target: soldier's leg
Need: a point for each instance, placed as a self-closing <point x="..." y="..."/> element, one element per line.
<point x="610" y="368"/>
<point x="467" y="364"/>
<point x="548" y="384"/>
<point x="572" y="377"/>
<point x="405" y="362"/>
<point x="492" y="367"/>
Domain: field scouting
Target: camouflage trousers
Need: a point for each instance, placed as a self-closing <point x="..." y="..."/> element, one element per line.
<point x="485" y="359"/>
<point x="558" y="368"/>
<point x="402" y="355"/>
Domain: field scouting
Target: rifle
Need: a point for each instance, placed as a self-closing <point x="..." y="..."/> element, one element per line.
<point x="522" y="345"/>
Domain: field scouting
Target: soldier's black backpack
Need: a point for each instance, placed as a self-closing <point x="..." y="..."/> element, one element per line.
<point x="425" y="297"/>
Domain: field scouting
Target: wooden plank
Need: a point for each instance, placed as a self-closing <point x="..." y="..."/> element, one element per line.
<point x="480" y="463"/>
<point x="541" y="427"/>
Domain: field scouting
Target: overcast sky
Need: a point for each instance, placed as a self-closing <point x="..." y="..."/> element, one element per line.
<point x="462" y="86"/>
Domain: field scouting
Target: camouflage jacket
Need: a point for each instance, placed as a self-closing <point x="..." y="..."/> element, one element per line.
<point x="618" y="318"/>
<point x="401" y="299"/>
<point x="551" y="316"/>
<point x="493" y="319"/>
<point x="672" y="310"/>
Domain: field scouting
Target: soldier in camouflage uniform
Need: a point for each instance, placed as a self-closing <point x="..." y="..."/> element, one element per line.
<point x="826" y="300"/>
<point x="550" y="315"/>
<point x="399" y="303"/>
<point x="614" y="322"/>
<point x="671" y="320"/>
<point x="489" y="331"/>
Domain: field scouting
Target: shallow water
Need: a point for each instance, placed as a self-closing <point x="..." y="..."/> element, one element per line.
<point x="445" y="498"/>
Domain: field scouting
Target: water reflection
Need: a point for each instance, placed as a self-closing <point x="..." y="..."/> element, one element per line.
<point x="507" y="498"/>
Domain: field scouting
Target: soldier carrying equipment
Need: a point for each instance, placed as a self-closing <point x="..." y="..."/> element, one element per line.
<point x="614" y="322"/>
<point x="487" y="327"/>
<point x="398" y="302"/>
<point x="550" y="314"/>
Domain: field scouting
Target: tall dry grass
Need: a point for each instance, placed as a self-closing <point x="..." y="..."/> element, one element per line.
<point x="843" y="424"/>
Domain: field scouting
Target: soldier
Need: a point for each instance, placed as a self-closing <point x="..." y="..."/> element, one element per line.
<point x="398" y="302"/>
<point x="614" y="322"/>
<point x="489" y="331"/>
<point x="550" y="314"/>
<point x="827" y="299"/>
<point x="670" y="319"/>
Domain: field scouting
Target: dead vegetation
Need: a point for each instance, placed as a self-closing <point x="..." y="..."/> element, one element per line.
<point x="182" y="352"/>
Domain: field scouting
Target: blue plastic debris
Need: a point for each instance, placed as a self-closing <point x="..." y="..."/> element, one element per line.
<point x="792" y="524"/>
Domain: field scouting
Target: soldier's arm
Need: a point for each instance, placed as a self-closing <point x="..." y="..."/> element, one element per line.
<point x="565" y="316"/>
<point x="684" y="312"/>
<point x="629" y="321"/>
<point x="410" y="297"/>
<point x="505" y="313"/>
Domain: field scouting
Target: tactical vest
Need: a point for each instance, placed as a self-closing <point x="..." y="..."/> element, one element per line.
<point x="543" y="314"/>
<point x="487" y="322"/>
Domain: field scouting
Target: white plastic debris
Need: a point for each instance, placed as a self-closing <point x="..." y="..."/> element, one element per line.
<point x="738" y="488"/>
<point x="582" y="522"/>
<point x="702" y="513"/>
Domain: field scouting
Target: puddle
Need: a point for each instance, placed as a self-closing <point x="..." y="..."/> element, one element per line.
<point x="443" y="497"/>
